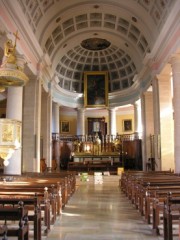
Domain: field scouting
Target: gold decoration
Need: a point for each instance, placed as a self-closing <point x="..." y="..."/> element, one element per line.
<point x="10" y="137"/>
<point x="11" y="70"/>
<point x="7" y="132"/>
<point x="2" y="89"/>
<point x="10" y="49"/>
<point x="12" y="77"/>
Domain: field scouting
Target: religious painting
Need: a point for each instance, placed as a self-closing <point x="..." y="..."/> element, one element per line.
<point x="65" y="127"/>
<point x="96" y="89"/>
<point x="96" y="126"/>
<point x="127" y="125"/>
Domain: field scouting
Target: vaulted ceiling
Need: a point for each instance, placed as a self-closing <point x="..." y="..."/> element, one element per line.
<point x="105" y="35"/>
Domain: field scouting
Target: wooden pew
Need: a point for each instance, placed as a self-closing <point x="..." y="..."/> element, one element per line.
<point x="148" y="191"/>
<point x="53" y="190"/>
<point x="154" y="197"/>
<point x="17" y="213"/>
<point x="171" y="213"/>
<point x="60" y="188"/>
<point x="36" y="202"/>
<point x="136" y="188"/>
<point x="48" y="201"/>
<point x="33" y="206"/>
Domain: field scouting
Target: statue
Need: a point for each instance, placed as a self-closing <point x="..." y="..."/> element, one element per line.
<point x="10" y="50"/>
<point x="77" y="146"/>
<point x="97" y="145"/>
<point x="117" y="145"/>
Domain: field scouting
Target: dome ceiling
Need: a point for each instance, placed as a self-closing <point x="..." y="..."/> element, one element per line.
<point x="106" y="35"/>
<point x="119" y="65"/>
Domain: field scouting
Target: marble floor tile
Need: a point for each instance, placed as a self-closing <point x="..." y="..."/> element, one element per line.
<point x="100" y="212"/>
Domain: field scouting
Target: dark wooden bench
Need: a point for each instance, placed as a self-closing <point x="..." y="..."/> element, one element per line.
<point x="53" y="191"/>
<point x="19" y="216"/>
<point x="171" y="213"/>
<point x="33" y="206"/>
<point x="37" y="202"/>
<point x="148" y="192"/>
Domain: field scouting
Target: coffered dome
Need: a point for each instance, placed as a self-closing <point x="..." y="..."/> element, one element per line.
<point x="116" y="36"/>
<point x="76" y="61"/>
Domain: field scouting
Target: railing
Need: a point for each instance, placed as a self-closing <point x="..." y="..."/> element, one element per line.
<point x="89" y="138"/>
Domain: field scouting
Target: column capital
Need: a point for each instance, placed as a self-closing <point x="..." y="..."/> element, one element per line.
<point x="112" y="109"/>
<point x="80" y="109"/>
<point x="137" y="103"/>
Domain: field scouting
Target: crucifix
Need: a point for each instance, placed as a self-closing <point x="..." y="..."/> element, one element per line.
<point x="16" y="37"/>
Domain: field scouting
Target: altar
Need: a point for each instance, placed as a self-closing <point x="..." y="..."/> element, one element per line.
<point x="87" y="152"/>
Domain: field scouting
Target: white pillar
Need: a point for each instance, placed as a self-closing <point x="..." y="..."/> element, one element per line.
<point x="80" y="121"/>
<point x="143" y="120"/>
<point x="135" y="117"/>
<point x="156" y="113"/>
<point x="112" y="121"/>
<point x="55" y="130"/>
<point x="55" y="118"/>
<point x="14" y="111"/>
<point x="46" y="128"/>
<point x="175" y="64"/>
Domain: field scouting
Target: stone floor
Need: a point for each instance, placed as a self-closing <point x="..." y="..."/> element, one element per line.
<point x="100" y="212"/>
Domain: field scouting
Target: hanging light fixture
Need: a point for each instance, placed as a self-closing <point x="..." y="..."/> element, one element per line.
<point x="10" y="138"/>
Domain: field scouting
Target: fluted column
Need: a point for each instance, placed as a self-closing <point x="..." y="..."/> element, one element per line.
<point x="112" y="121"/>
<point x="80" y="121"/>
<point x="175" y="64"/>
<point x="55" y="130"/>
<point x="14" y="111"/>
<point x="156" y="111"/>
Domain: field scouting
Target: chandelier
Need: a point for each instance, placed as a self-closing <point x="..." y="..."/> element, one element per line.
<point x="10" y="138"/>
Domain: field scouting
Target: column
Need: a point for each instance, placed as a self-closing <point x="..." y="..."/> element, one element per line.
<point x="137" y="118"/>
<point x="143" y="120"/>
<point x="81" y="121"/>
<point x="175" y="64"/>
<point x="55" y="131"/>
<point x="156" y="110"/>
<point x="46" y="127"/>
<point x="32" y="125"/>
<point x="14" y="111"/>
<point x="112" y="121"/>
<point x="166" y="139"/>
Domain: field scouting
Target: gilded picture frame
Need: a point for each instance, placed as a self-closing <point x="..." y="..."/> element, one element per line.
<point x="96" y="89"/>
<point x="65" y="127"/>
<point x="127" y="125"/>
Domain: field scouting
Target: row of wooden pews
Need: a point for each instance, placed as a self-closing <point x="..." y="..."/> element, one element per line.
<point x="156" y="195"/>
<point x="43" y="195"/>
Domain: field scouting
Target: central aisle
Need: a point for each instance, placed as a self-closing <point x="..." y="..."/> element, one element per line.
<point x="100" y="212"/>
